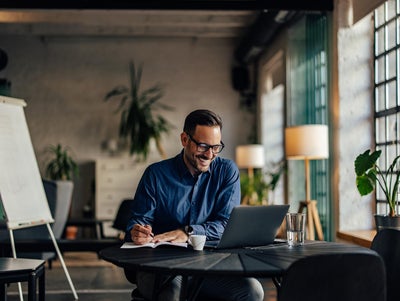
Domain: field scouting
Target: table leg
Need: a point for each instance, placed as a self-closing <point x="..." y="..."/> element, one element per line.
<point x="195" y="285"/>
<point x="32" y="287"/>
<point x="42" y="285"/>
<point x="183" y="296"/>
<point x="3" y="290"/>
<point x="160" y="282"/>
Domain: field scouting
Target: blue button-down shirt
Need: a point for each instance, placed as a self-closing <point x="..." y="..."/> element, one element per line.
<point x="168" y="197"/>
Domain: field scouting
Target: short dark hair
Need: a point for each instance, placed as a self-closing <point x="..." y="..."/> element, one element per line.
<point x="201" y="117"/>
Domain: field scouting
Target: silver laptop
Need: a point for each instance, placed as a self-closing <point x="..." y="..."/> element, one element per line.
<point x="250" y="226"/>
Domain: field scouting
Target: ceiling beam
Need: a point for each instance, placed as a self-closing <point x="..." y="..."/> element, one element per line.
<point x="299" y="5"/>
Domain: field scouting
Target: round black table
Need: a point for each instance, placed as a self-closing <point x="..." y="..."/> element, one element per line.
<point x="264" y="262"/>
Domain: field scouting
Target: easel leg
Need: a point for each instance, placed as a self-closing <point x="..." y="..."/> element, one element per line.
<point x="62" y="261"/>
<point x="14" y="252"/>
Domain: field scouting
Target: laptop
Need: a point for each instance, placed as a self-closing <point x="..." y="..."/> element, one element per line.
<point x="250" y="226"/>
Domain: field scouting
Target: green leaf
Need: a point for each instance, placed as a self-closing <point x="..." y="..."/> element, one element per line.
<point x="364" y="185"/>
<point x="366" y="161"/>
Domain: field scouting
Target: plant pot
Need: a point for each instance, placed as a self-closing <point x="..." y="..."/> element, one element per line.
<point x="387" y="222"/>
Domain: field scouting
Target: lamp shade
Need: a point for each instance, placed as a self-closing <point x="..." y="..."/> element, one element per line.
<point x="250" y="156"/>
<point x="307" y="142"/>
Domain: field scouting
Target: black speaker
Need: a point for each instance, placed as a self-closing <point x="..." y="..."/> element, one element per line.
<point x="240" y="78"/>
<point x="3" y="59"/>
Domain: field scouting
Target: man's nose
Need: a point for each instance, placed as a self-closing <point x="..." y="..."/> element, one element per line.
<point x="209" y="153"/>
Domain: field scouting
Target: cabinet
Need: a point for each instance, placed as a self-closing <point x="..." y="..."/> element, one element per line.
<point x="116" y="180"/>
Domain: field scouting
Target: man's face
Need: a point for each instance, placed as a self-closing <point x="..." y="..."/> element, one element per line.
<point x="198" y="161"/>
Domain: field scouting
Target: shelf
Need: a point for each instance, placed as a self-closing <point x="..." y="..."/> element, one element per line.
<point x="358" y="237"/>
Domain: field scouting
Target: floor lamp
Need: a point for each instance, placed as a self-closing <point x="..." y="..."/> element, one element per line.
<point x="250" y="156"/>
<point x="308" y="142"/>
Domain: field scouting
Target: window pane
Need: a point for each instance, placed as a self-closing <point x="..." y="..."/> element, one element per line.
<point x="392" y="127"/>
<point x="380" y="130"/>
<point x="380" y="70"/>
<point x="379" y="16"/>
<point x="391" y="9"/>
<point x="392" y="94"/>
<point x="391" y="32"/>
<point x="380" y="41"/>
<point x="380" y="98"/>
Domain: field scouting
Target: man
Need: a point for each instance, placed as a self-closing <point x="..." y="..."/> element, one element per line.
<point x="192" y="193"/>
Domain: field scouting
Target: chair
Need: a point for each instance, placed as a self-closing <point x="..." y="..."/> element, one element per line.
<point x="123" y="215"/>
<point x="120" y="223"/>
<point x="335" y="277"/>
<point x="387" y="244"/>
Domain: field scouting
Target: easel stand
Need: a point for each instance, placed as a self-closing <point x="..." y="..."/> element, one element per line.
<point x="58" y="254"/>
<point x="312" y="219"/>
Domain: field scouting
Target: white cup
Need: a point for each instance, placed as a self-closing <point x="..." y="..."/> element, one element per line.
<point x="197" y="242"/>
<point x="295" y="224"/>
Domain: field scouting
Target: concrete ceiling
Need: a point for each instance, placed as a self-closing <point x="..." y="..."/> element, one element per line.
<point x="127" y="23"/>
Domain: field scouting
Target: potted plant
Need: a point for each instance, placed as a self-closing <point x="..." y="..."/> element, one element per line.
<point x="138" y="123"/>
<point x="369" y="174"/>
<point x="61" y="165"/>
<point x="256" y="190"/>
<point x="61" y="169"/>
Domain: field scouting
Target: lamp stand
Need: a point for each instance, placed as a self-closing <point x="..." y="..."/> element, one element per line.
<point x="311" y="207"/>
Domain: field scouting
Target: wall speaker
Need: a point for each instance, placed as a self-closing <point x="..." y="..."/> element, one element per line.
<point x="240" y="78"/>
<point x="3" y="59"/>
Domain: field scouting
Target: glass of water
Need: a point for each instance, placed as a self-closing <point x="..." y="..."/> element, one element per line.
<point x="295" y="228"/>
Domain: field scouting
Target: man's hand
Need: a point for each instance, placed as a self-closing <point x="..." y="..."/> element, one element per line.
<point x="173" y="236"/>
<point x="142" y="234"/>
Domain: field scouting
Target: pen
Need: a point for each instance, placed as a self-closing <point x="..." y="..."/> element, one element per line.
<point x="146" y="226"/>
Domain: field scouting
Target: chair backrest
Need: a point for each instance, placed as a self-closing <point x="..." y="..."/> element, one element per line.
<point x="335" y="277"/>
<point x="387" y="244"/>
<point x="123" y="215"/>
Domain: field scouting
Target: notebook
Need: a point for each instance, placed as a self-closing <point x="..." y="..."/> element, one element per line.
<point x="250" y="226"/>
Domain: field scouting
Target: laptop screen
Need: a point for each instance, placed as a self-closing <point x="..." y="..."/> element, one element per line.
<point x="250" y="226"/>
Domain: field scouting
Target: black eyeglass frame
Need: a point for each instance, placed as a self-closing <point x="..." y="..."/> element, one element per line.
<point x="204" y="147"/>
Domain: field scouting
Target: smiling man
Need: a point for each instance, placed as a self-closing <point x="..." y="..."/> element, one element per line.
<point x="192" y="193"/>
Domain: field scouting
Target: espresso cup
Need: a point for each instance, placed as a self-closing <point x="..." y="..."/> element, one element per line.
<point x="197" y="241"/>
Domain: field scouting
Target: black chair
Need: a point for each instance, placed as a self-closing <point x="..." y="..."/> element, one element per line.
<point x="123" y="215"/>
<point x="335" y="277"/>
<point x="387" y="244"/>
<point x="120" y="223"/>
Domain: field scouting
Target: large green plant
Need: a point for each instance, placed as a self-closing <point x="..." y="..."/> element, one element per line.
<point x="139" y="124"/>
<point x="61" y="165"/>
<point x="369" y="173"/>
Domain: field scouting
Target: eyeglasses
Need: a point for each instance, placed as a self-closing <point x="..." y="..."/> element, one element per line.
<point x="204" y="147"/>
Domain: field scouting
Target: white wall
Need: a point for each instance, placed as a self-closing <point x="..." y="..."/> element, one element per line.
<point x="64" y="82"/>
<point x="355" y="123"/>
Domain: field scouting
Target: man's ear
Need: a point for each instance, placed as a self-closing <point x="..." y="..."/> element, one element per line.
<point x="184" y="139"/>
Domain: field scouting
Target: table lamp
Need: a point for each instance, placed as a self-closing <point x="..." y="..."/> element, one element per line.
<point x="250" y="156"/>
<point x="308" y="142"/>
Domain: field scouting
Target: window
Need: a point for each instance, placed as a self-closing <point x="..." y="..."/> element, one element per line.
<point x="386" y="88"/>
<point x="308" y="87"/>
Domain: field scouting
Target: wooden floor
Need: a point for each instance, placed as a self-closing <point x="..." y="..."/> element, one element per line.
<point x="94" y="279"/>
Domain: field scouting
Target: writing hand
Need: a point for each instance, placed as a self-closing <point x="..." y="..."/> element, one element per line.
<point x="142" y="234"/>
